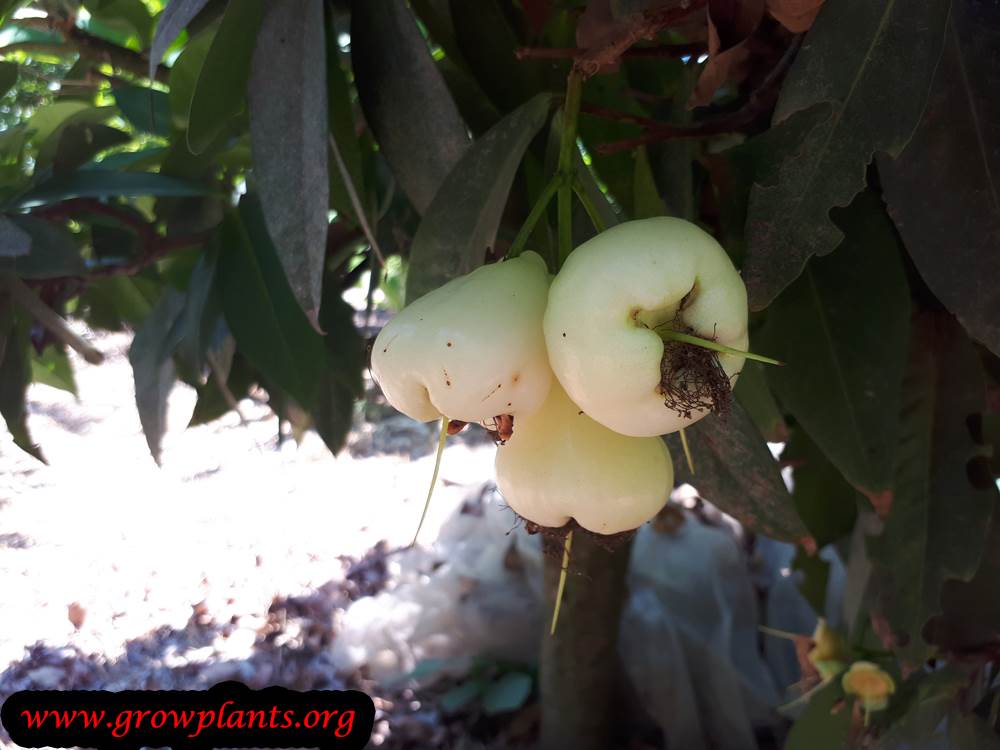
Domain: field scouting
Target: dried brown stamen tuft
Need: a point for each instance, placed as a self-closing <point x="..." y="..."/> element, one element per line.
<point x="692" y="378"/>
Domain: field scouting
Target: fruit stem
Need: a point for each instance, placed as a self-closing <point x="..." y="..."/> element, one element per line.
<point x="668" y="334"/>
<point x="537" y="211"/>
<point x="687" y="451"/>
<point x="588" y="204"/>
<point x="434" y="477"/>
<point x="567" y="546"/>
<point x="567" y="145"/>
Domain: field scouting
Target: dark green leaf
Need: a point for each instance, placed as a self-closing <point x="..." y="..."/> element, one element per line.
<point x="461" y="223"/>
<point x="342" y="130"/>
<point x="49" y="122"/>
<point x="14" y="241"/>
<point x="220" y="93"/>
<point x="127" y="17"/>
<point x="147" y="109"/>
<point x="54" y="251"/>
<point x="970" y="732"/>
<point x="509" y="693"/>
<point x="288" y="129"/>
<point x="855" y="53"/>
<point x="78" y="144"/>
<point x="153" y="367"/>
<point x="922" y="703"/>
<point x="8" y="76"/>
<point x="212" y="403"/>
<point x="341" y="382"/>
<point x="52" y="368"/>
<point x="841" y="330"/>
<point x="399" y="83"/>
<point x="184" y="77"/>
<point x="825" y="501"/>
<point x="943" y="190"/>
<point x="815" y="572"/>
<point x="123" y="160"/>
<point x="195" y="325"/>
<point x="268" y="324"/>
<point x="823" y="725"/>
<point x="937" y="525"/>
<point x="735" y="470"/>
<point x="15" y="375"/>
<point x="754" y="395"/>
<point x="94" y="183"/>
<point x="177" y="15"/>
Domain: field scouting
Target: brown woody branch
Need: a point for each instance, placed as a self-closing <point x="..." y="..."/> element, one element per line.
<point x="760" y="101"/>
<point x="635" y="28"/>
<point x="50" y="319"/>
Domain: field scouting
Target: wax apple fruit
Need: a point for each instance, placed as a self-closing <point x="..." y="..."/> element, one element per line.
<point x="471" y="349"/>
<point x="561" y="464"/>
<point x="611" y="295"/>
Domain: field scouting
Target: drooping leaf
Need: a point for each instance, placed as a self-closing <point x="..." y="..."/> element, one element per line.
<point x="52" y="367"/>
<point x="177" y="15"/>
<point x="288" y="129"/>
<point x="754" y="395"/>
<point x="342" y="130"/>
<point x="147" y="109"/>
<point x="92" y="183"/>
<point x="734" y="469"/>
<point x="14" y="241"/>
<point x="54" y="252"/>
<point x="78" y="144"/>
<point x="184" y="78"/>
<point x="508" y="693"/>
<point x="855" y="53"/>
<point x="398" y="83"/>
<point x="923" y="702"/>
<point x="220" y="92"/>
<point x="269" y="326"/>
<point x="212" y="403"/>
<point x="49" y="118"/>
<point x="461" y="223"/>
<point x="841" y="330"/>
<point x="194" y="325"/>
<point x="937" y="525"/>
<point x="823" y="725"/>
<point x="15" y="375"/>
<point x="153" y="367"/>
<point x="825" y="501"/>
<point x="943" y="191"/>
<point x="815" y="579"/>
<point x="970" y="732"/>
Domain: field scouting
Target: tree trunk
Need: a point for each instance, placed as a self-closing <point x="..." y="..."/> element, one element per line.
<point x="579" y="665"/>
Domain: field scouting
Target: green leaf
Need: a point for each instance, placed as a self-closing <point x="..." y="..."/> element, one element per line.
<point x="184" y="77"/>
<point x="754" y="395"/>
<point x="8" y="76"/>
<point x="938" y="521"/>
<point x="922" y="703"/>
<point x="127" y="17"/>
<point x="268" y="324"/>
<point x="52" y="368"/>
<point x="79" y="143"/>
<point x="15" y="375"/>
<point x="461" y="223"/>
<point x="54" y="251"/>
<point x="147" y="109"/>
<point x="342" y="129"/>
<point x="841" y="330"/>
<point x="92" y="183"/>
<point x="153" y="367"/>
<point x="195" y="325"/>
<point x="735" y="470"/>
<point x="645" y="195"/>
<point x="220" y="93"/>
<point x="970" y="732"/>
<point x="14" y="241"/>
<point x="288" y="130"/>
<point x="509" y="693"/>
<point x="856" y="52"/>
<point x="815" y="573"/>
<point x="177" y="15"/>
<point x="398" y="83"/>
<point x="140" y="160"/>
<point x="212" y="403"/>
<point x="341" y="382"/>
<point x="47" y="121"/>
<point x="825" y="501"/>
<point x="944" y="190"/>
<point x="823" y="725"/>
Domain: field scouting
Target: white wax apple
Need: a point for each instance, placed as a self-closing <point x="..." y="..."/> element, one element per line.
<point x="471" y="349"/>
<point x="561" y="464"/>
<point x="611" y="294"/>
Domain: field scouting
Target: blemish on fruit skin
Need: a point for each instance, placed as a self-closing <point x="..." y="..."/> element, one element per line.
<point x="516" y="378"/>
<point x="449" y="344"/>
<point x="564" y="334"/>
<point x="447" y="378"/>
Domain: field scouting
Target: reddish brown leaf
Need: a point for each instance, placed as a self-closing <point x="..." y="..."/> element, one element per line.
<point x="537" y="12"/>
<point x="734" y="20"/>
<point x="730" y="24"/>
<point x="795" y="15"/>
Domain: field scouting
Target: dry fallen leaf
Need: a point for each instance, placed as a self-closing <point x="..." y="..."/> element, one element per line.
<point x="795" y="15"/>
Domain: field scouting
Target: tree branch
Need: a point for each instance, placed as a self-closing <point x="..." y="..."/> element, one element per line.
<point x="656" y="50"/>
<point x="50" y="319"/>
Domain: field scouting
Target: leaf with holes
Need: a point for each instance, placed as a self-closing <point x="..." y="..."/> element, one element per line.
<point x="937" y="526"/>
<point x="855" y="53"/>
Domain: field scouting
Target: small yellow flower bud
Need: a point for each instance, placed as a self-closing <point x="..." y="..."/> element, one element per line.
<point x="870" y="684"/>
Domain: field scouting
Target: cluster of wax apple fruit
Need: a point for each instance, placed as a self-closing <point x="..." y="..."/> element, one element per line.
<point x="584" y="444"/>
